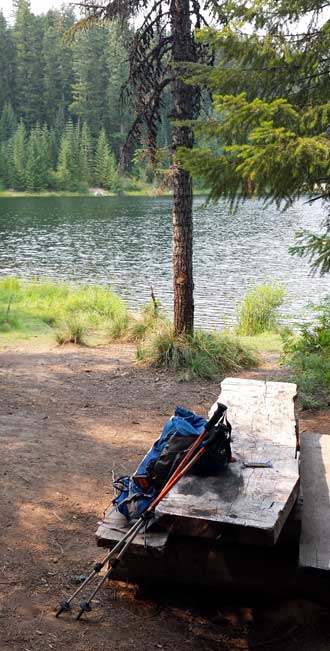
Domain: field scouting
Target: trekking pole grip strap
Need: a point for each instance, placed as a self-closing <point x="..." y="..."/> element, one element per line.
<point x="220" y="410"/>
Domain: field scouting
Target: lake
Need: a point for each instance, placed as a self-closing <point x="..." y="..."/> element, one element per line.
<point x="125" y="243"/>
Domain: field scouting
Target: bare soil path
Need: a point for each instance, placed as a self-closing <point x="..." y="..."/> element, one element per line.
<point x="69" y="418"/>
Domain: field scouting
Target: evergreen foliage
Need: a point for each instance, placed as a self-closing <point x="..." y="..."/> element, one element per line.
<point x="37" y="172"/>
<point x="60" y="102"/>
<point x="106" y="175"/>
<point x="270" y="134"/>
<point x="308" y="354"/>
<point x="17" y="154"/>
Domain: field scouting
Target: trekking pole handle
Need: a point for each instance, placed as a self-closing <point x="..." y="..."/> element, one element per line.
<point x="174" y="480"/>
<point x="219" y="411"/>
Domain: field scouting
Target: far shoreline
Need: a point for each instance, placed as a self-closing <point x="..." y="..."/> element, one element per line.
<point x="6" y="194"/>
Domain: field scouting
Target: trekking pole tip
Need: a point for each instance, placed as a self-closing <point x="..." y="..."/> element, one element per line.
<point x="64" y="608"/>
<point x="85" y="607"/>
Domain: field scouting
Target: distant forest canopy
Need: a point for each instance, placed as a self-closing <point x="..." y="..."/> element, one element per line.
<point x="62" y="119"/>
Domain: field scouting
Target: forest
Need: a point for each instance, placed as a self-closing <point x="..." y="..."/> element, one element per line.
<point x="63" y="119"/>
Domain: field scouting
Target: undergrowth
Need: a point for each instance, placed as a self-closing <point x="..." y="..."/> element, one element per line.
<point x="308" y="354"/>
<point x="259" y="311"/>
<point x="71" y="312"/>
<point x="202" y="354"/>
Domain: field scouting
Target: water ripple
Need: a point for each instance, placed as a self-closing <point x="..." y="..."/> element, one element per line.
<point x="126" y="243"/>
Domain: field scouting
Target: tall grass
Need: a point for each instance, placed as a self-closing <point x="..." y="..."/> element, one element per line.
<point x="73" y="312"/>
<point x="259" y="311"/>
<point x="199" y="355"/>
<point x="151" y="317"/>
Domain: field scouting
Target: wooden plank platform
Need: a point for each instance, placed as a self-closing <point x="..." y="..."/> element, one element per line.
<point x="252" y="502"/>
<point x="315" y="479"/>
<point x="114" y="526"/>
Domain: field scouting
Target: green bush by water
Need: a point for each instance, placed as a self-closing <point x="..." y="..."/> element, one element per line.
<point x="308" y="354"/>
<point x="199" y="355"/>
<point x="259" y="311"/>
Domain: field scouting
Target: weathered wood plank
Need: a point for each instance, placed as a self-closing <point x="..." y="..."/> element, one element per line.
<point x="114" y="526"/>
<point x="253" y="500"/>
<point x="315" y="479"/>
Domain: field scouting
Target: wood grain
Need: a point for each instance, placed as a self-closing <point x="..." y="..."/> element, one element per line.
<point x="256" y="501"/>
<point x="314" y="549"/>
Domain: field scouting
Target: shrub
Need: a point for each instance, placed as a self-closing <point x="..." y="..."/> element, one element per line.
<point x="72" y="330"/>
<point x="259" y="310"/>
<point x="199" y="355"/>
<point x="118" y="327"/>
<point x="308" y="354"/>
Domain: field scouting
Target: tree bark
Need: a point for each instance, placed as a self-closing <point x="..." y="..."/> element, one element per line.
<point x="183" y="109"/>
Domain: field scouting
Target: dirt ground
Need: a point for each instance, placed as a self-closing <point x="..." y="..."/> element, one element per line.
<point x="70" y="418"/>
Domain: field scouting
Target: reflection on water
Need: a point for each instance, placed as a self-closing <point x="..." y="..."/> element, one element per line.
<point x="126" y="243"/>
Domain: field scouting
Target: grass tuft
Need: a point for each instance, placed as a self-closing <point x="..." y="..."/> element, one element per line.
<point x="147" y="321"/>
<point x="73" y="330"/>
<point x="199" y="355"/>
<point x="259" y="311"/>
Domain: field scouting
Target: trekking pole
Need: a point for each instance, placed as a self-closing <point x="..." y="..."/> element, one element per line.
<point x="187" y="462"/>
<point x="120" y="548"/>
<point x="85" y="606"/>
<point x="65" y="605"/>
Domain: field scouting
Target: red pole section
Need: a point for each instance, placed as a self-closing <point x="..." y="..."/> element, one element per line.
<point x="174" y="479"/>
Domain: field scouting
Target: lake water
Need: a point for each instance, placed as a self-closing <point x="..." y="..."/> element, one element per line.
<point x="125" y="243"/>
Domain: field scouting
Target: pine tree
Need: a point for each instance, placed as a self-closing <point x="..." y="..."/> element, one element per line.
<point x="17" y="158"/>
<point x="7" y="64"/>
<point x="157" y="52"/>
<point x="91" y="78"/>
<point x="8" y="123"/>
<point x="272" y="111"/>
<point x="67" y="173"/>
<point x="118" y="114"/>
<point x="37" y="172"/>
<point x="27" y="34"/>
<point x="57" y="67"/>
<point x="103" y="162"/>
<point x="85" y="156"/>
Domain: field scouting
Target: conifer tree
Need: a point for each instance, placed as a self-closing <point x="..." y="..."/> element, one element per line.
<point x="272" y="110"/>
<point x="91" y="78"/>
<point x="85" y="156"/>
<point x="67" y="173"/>
<point x="7" y="64"/>
<point x="105" y="163"/>
<point x="159" y="49"/>
<point x="8" y="122"/>
<point x="37" y="160"/>
<point x="118" y="114"/>
<point x="17" y="157"/>
<point x="26" y="34"/>
<point x="56" y="67"/>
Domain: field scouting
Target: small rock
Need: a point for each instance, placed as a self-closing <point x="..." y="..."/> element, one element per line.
<point x="79" y="578"/>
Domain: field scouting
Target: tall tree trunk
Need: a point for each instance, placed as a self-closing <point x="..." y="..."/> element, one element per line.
<point x="183" y="109"/>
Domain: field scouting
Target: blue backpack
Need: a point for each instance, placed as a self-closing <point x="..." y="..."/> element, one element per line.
<point x="136" y="493"/>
